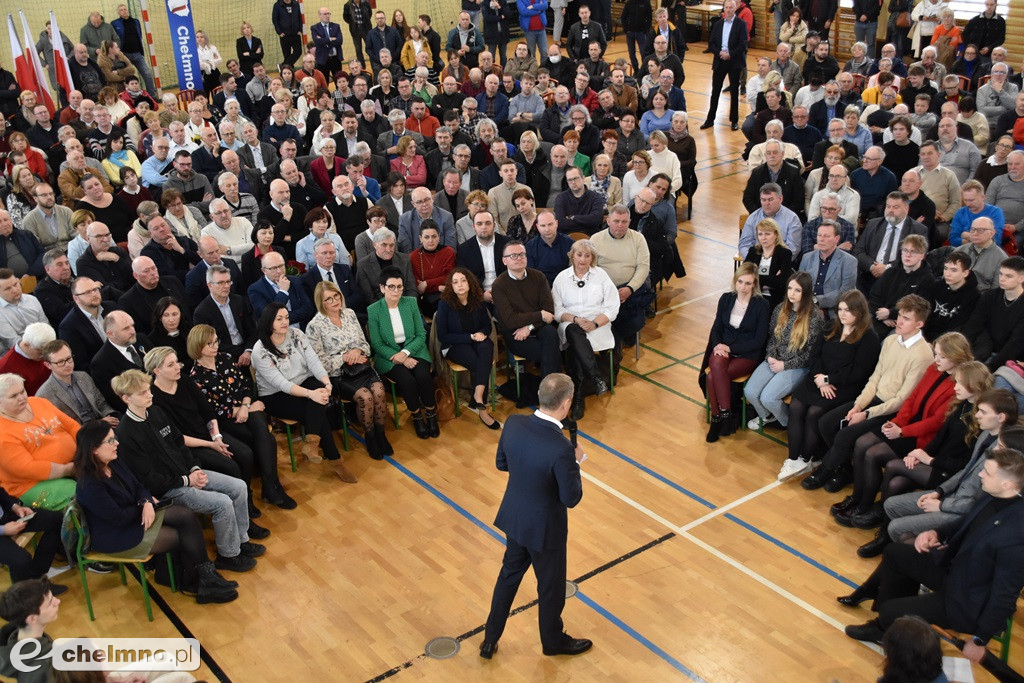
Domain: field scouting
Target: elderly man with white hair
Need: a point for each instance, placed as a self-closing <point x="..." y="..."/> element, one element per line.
<point x="229" y="136"/>
<point x="241" y="187"/>
<point x="423" y="209"/>
<point x="232" y="233"/>
<point x="371" y="120"/>
<point x="26" y="357"/>
<point x="773" y="130"/>
<point x="387" y="142"/>
<point x="169" y="110"/>
<point x="998" y="95"/>
<point x="838" y="184"/>
<point x="17" y="310"/>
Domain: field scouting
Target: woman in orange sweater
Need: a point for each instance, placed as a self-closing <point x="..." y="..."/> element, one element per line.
<point x="37" y="447"/>
<point x="431" y="264"/>
<point x="914" y="426"/>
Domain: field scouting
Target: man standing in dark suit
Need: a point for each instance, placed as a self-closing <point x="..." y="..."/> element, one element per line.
<point x="121" y="351"/>
<point x="327" y="38"/>
<point x="543" y="482"/>
<point x="483" y="255"/>
<point x="82" y="327"/>
<point x="728" y="43"/>
<point x="149" y="288"/>
<point x="975" y="576"/>
<point x="229" y="314"/>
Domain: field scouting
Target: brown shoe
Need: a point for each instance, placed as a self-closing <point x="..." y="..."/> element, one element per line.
<point x="344" y="473"/>
<point x="311" y="449"/>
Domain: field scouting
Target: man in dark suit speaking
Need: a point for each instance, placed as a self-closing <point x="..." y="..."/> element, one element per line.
<point x="543" y="482"/>
<point x="728" y="43"/>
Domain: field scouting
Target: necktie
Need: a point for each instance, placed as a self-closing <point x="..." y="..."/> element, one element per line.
<point x="330" y="276"/>
<point x="135" y="356"/>
<point x="890" y="231"/>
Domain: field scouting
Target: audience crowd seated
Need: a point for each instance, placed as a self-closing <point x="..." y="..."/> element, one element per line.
<point x="875" y="263"/>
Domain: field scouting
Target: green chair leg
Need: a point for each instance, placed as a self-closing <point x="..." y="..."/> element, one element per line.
<point x="145" y="589"/>
<point x="394" y="402"/>
<point x="494" y="389"/>
<point x="1004" y="641"/>
<point x="85" y="589"/>
<point x="455" y="391"/>
<point x="124" y="579"/>
<point x="170" y="572"/>
<point x="291" y="449"/>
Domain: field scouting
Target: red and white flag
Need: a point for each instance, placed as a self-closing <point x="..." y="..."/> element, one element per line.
<point x="22" y="69"/>
<point x="60" y="58"/>
<point x="42" y="87"/>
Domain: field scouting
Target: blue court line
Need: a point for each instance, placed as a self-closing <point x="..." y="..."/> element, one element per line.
<point x="791" y="549"/>
<point x="746" y="525"/>
<point x="709" y="239"/>
<point x="676" y="664"/>
<point x="636" y="635"/>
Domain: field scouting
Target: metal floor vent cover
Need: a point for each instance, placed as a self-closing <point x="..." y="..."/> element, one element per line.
<point x="571" y="588"/>
<point x="442" y="648"/>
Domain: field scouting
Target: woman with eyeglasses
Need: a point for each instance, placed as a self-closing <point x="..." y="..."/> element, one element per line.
<point x="994" y="165"/>
<point x="337" y="338"/>
<point x="121" y="517"/>
<point x="636" y="179"/>
<point x="293" y="384"/>
<point x="399" y="344"/>
<point x="190" y="412"/>
<point x="228" y="389"/>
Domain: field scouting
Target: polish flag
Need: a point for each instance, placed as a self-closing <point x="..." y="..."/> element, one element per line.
<point x="42" y="88"/>
<point x="22" y="69"/>
<point x="60" y="58"/>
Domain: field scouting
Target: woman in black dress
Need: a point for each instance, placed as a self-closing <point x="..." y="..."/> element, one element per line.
<point x="838" y="373"/>
<point x="229" y="390"/>
<point x="774" y="261"/>
<point x="112" y="213"/>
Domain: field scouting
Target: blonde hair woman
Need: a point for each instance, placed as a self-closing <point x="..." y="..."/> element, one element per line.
<point x="603" y="182"/>
<point x="209" y="61"/>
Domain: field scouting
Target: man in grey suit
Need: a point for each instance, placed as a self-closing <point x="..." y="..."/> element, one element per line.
<point x="878" y="247"/>
<point x="73" y="393"/>
<point x="255" y="153"/>
<point x="543" y="483"/>
<point x="833" y="270"/>
<point x="368" y="268"/>
<point x="387" y="140"/>
<point x="423" y="209"/>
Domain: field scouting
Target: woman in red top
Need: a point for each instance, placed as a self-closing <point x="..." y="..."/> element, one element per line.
<point x="33" y="158"/>
<point x="409" y="164"/>
<point x="431" y="264"/>
<point x="914" y="426"/>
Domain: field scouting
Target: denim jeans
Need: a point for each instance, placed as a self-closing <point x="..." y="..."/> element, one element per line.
<point x="867" y="33"/>
<point x="537" y="40"/>
<point x="766" y="389"/>
<point x="476" y="17"/>
<point x="226" y="499"/>
<point x="139" y="61"/>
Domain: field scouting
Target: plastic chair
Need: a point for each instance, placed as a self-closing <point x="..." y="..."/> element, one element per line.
<point x="28" y="283"/>
<point x="186" y="96"/>
<point x="737" y="259"/>
<point x="579" y="235"/>
<point x="456" y="369"/>
<point x="82" y="558"/>
<point x="966" y="84"/>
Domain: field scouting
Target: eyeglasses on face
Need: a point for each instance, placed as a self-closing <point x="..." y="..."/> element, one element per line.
<point x="516" y="256"/>
<point x="62" y="362"/>
<point x="394" y="288"/>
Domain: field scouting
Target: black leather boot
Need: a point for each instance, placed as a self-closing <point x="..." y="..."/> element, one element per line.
<point x="382" y="441"/>
<point x="419" y="422"/>
<point x="715" y="430"/>
<point x="432" y="426"/>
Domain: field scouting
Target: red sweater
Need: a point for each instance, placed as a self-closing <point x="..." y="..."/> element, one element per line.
<point x="432" y="267"/>
<point x="34" y="372"/>
<point x="934" y="411"/>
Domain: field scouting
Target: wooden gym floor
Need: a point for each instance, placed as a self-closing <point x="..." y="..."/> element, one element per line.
<point x="692" y="562"/>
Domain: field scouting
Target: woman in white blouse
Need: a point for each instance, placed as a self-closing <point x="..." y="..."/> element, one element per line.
<point x="664" y="160"/>
<point x="209" y="61"/>
<point x="586" y="303"/>
<point x="293" y="384"/>
<point x="636" y="179"/>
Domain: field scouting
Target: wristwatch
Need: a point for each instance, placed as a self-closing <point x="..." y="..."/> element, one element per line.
<point x="825" y="379"/>
<point x="978" y="641"/>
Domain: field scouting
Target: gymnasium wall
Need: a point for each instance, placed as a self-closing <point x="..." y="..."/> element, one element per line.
<point x="220" y="19"/>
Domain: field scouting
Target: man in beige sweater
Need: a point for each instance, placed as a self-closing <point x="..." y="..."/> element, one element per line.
<point x="903" y="360"/>
<point x="625" y="256"/>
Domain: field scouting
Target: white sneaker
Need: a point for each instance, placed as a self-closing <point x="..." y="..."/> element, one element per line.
<point x="757" y="422"/>
<point x="794" y="468"/>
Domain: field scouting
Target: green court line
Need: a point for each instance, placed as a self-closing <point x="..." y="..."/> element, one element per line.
<point x="659" y="369"/>
<point x="660" y="353"/>
<point x="699" y="353"/>
<point x="691" y="366"/>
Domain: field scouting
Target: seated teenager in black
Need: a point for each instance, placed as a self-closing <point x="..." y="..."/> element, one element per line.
<point x="121" y="515"/>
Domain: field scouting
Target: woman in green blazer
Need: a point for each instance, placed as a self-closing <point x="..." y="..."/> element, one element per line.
<point x="399" y="345"/>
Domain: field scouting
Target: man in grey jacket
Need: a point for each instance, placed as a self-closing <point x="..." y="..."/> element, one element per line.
<point x="95" y="31"/>
<point x="73" y="393"/>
